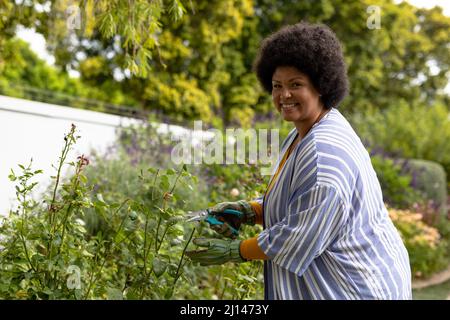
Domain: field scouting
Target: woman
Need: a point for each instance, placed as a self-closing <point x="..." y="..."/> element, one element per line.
<point x="327" y="233"/>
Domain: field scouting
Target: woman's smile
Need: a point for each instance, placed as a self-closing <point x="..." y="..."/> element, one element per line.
<point x="287" y="107"/>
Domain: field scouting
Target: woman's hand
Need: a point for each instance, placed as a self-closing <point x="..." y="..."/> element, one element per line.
<point x="226" y="212"/>
<point x="217" y="251"/>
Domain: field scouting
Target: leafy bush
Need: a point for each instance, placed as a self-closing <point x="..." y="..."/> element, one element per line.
<point x="428" y="251"/>
<point x="395" y="185"/>
<point x="407" y="131"/>
<point x="115" y="175"/>
<point x="429" y="179"/>
<point x="142" y="145"/>
<point x="47" y="253"/>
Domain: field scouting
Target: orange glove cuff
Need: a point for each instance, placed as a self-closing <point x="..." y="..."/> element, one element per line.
<point x="250" y="250"/>
<point x="258" y="210"/>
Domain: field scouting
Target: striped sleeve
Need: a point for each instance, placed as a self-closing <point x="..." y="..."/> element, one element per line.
<point x="313" y="220"/>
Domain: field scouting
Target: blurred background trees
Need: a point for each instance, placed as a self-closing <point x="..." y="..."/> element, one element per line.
<point x="151" y="55"/>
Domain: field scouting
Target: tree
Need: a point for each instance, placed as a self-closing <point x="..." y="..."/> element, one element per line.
<point x="134" y="24"/>
<point x="200" y="67"/>
<point x="25" y="75"/>
<point x="385" y="65"/>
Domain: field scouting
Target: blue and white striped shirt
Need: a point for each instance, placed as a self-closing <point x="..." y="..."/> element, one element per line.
<point x="326" y="229"/>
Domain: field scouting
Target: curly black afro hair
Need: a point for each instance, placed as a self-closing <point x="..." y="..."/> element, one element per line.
<point x="314" y="50"/>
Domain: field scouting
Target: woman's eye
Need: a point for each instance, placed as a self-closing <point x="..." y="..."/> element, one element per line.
<point x="276" y="86"/>
<point x="297" y="84"/>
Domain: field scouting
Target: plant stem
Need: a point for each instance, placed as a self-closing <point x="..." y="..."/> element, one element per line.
<point x="154" y="184"/>
<point x="69" y="139"/>
<point x="26" y="252"/>
<point x="225" y="287"/>
<point x="147" y="249"/>
<point x="162" y="238"/>
<point x="25" y="216"/>
<point x="107" y="253"/>
<point x="176" y="180"/>
<point x="123" y="219"/>
<point x="157" y="232"/>
<point x="177" y="275"/>
<point x="69" y="209"/>
<point x="92" y="280"/>
<point x="145" y="244"/>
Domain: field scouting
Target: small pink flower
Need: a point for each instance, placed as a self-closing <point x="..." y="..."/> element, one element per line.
<point x="84" y="161"/>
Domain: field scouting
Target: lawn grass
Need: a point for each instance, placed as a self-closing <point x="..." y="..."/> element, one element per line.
<point x="437" y="292"/>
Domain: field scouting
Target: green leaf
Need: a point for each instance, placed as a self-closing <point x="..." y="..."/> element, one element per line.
<point x="152" y="170"/>
<point x="169" y="293"/>
<point x="120" y="236"/>
<point x="170" y="172"/>
<point x="31" y="186"/>
<point x="176" y="242"/>
<point x="12" y="176"/>
<point x="47" y="291"/>
<point x="78" y="294"/>
<point x="154" y="193"/>
<point x="100" y="198"/>
<point x="172" y="270"/>
<point x="163" y="213"/>
<point x="159" y="266"/>
<point x="34" y="235"/>
<point x="114" y="205"/>
<point x="87" y="254"/>
<point x="114" y="294"/>
<point x="164" y="183"/>
<point x="174" y="220"/>
<point x="83" y="178"/>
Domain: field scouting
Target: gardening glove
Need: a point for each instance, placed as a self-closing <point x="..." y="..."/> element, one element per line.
<point x="217" y="251"/>
<point x="248" y="216"/>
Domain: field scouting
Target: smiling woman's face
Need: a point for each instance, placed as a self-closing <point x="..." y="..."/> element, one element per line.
<point x="295" y="97"/>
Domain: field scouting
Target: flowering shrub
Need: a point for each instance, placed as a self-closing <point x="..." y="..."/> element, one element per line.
<point x="50" y="249"/>
<point x="115" y="176"/>
<point x="47" y="253"/>
<point x="427" y="250"/>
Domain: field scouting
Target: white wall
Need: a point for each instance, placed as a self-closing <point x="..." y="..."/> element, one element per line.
<point x="30" y="129"/>
<point x="36" y="130"/>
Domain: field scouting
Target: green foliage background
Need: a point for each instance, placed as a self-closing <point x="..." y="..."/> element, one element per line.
<point x="196" y="62"/>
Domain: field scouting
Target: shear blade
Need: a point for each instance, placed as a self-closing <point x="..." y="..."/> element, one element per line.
<point x="197" y="215"/>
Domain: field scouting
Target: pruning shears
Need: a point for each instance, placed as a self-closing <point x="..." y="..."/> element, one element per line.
<point x="204" y="215"/>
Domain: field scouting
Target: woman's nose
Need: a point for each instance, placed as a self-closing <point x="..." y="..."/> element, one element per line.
<point x="286" y="93"/>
